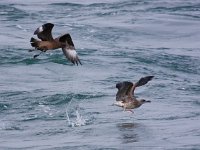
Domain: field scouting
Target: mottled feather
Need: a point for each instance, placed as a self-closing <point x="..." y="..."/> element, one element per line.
<point x="124" y="90"/>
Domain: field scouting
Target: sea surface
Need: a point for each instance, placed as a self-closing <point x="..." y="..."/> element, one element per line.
<point x="48" y="103"/>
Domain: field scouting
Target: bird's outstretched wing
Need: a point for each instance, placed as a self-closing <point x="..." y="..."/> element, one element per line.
<point x="67" y="40"/>
<point x="141" y="82"/>
<point x="69" y="49"/>
<point x="44" y="32"/>
<point x="124" y="91"/>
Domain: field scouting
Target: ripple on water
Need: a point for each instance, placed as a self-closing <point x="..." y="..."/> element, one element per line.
<point x="4" y="106"/>
<point x="186" y="64"/>
<point x="177" y="117"/>
<point x="10" y="12"/>
<point x="10" y="126"/>
<point x="59" y="99"/>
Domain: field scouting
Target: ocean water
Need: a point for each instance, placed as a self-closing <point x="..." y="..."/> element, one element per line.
<point x="49" y="104"/>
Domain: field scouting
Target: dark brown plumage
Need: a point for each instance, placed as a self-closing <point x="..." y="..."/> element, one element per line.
<point x="47" y="42"/>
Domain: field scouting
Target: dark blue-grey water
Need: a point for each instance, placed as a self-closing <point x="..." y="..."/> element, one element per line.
<point x="47" y="103"/>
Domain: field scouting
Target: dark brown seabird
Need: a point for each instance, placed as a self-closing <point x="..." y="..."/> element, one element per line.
<point x="125" y="96"/>
<point x="47" y="42"/>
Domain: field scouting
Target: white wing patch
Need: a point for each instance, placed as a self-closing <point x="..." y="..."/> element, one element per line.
<point x="71" y="54"/>
<point x="40" y="29"/>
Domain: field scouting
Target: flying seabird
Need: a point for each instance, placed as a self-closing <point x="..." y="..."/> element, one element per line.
<point x="125" y="96"/>
<point x="47" y="42"/>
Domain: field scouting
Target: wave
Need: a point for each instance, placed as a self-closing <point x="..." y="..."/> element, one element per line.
<point x="68" y="4"/>
<point x="12" y="13"/>
<point x="186" y="64"/>
<point x="191" y="115"/>
<point x="22" y="56"/>
<point x="59" y="99"/>
<point x="170" y="9"/>
<point x="10" y="126"/>
<point x="3" y="106"/>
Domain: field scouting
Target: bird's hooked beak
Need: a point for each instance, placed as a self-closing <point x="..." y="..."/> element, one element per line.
<point x="145" y="101"/>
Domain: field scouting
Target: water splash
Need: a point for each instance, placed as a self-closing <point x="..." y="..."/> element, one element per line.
<point x="46" y="109"/>
<point x="78" y="120"/>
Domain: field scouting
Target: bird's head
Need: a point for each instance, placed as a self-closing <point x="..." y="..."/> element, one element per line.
<point x="142" y="101"/>
<point x="44" y="27"/>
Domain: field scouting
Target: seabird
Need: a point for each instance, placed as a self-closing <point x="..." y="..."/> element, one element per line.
<point x="125" y="96"/>
<point x="47" y="42"/>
